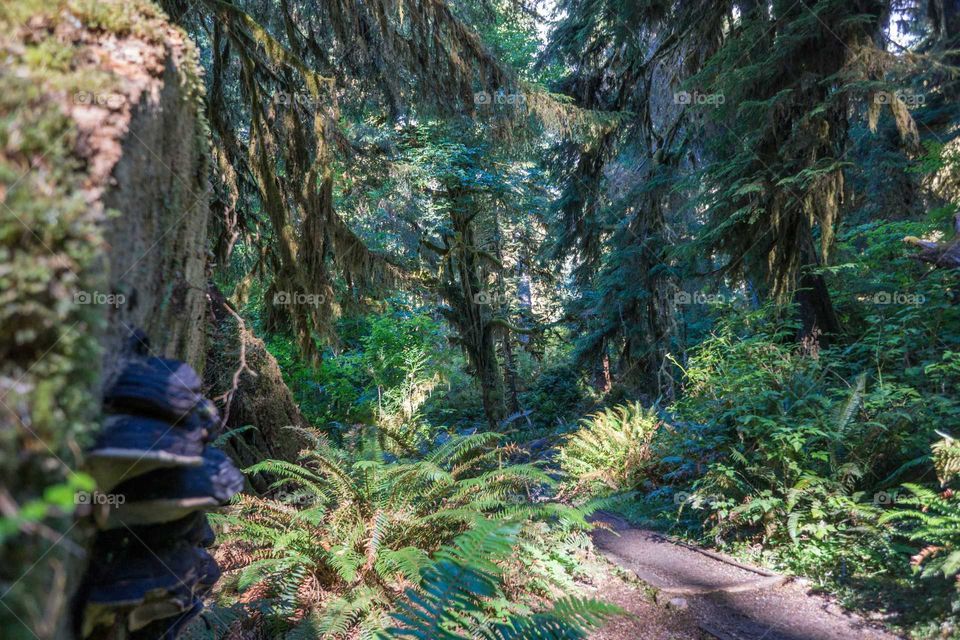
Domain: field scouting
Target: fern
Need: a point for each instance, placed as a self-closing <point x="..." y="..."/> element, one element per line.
<point x="844" y="413"/>
<point x="225" y="437"/>
<point x="344" y="533"/>
<point x="934" y="521"/>
<point x="610" y="451"/>
<point x="946" y="458"/>
<point x="215" y="622"/>
<point x="453" y="600"/>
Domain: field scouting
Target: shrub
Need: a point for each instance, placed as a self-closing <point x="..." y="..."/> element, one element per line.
<point x="771" y="445"/>
<point x="556" y="395"/>
<point x="611" y="450"/>
<point x="387" y="370"/>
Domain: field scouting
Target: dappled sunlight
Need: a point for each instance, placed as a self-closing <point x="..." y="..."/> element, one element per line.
<point x="507" y="319"/>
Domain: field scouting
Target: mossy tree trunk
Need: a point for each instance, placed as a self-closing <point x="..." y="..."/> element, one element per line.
<point x="103" y="180"/>
<point x="462" y="283"/>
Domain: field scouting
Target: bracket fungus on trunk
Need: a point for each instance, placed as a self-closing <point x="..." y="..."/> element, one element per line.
<point x="149" y="568"/>
<point x="193" y="528"/>
<point x="171" y="494"/>
<point x="165" y="388"/>
<point x="137" y="584"/>
<point x="130" y="446"/>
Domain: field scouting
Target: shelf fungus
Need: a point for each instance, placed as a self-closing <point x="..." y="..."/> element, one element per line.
<point x="156" y="386"/>
<point x="171" y="494"/>
<point x="130" y="446"/>
<point x="193" y="529"/>
<point x="139" y="584"/>
<point x="149" y="568"/>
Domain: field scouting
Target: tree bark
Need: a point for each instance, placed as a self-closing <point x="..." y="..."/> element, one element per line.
<point x="818" y="320"/>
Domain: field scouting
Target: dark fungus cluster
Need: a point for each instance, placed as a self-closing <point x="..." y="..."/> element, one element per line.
<point x="149" y="567"/>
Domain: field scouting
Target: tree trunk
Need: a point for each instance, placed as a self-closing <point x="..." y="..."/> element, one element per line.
<point x="491" y="381"/>
<point x="511" y="371"/>
<point x="507" y="340"/>
<point x="462" y="285"/>
<point x="818" y="320"/>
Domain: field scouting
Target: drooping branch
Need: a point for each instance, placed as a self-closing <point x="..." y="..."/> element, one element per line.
<point x="944" y="255"/>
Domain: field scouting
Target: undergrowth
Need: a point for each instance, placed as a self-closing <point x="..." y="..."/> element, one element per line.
<point x="815" y="462"/>
<point x="356" y="539"/>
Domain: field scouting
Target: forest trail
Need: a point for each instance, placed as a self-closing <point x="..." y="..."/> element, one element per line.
<point x="705" y="597"/>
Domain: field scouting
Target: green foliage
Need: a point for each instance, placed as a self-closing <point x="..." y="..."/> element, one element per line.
<point x="550" y="557"/>
<point x="556" y="394"/>
<point x="454" y="599"/>
<point x="771" y="442"/>
<point x="611" y="451"/>
<point x="57" y="500"/>
<point x="389" y="365"/>
<point x="345" y="531"/>
<point x="933" y="520"/>
<point x="946" y="459"/>
<point x="767" y="448"/>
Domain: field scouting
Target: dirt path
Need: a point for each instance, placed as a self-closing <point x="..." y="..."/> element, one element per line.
<point x="710" y="598"/>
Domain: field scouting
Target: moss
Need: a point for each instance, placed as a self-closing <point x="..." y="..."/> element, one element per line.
<point x="47" y="340"/>
<point x="136" y="18"/>
<point x="49" y="54"/>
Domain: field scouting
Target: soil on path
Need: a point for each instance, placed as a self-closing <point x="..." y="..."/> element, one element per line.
<point x="704" y="597"/>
